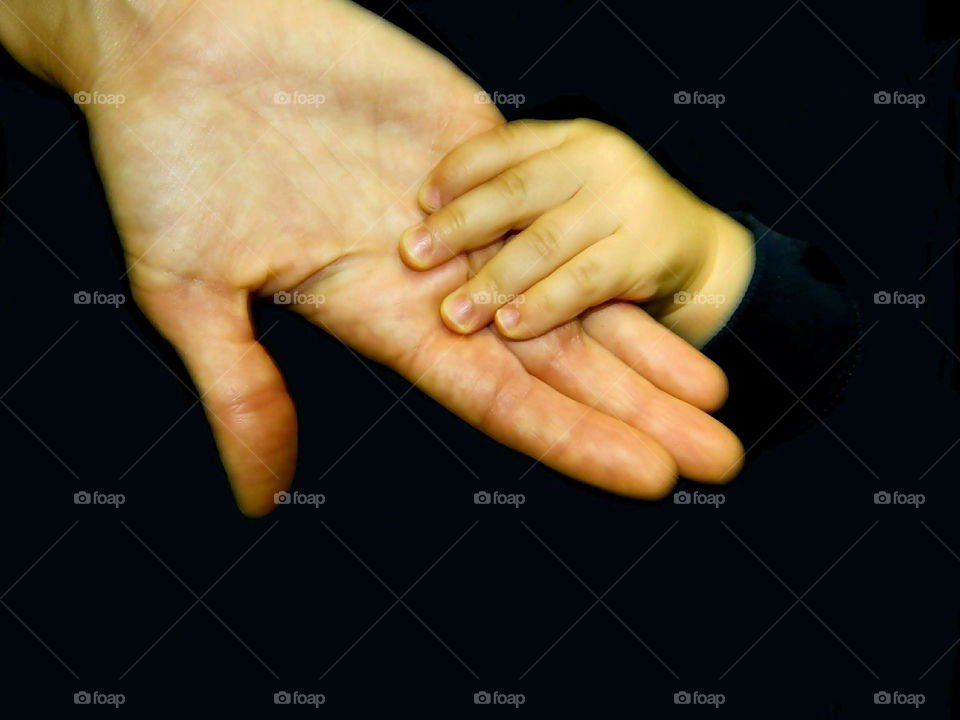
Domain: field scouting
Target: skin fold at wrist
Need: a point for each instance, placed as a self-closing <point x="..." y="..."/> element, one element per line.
<point x="69" y="43"/>
<point x="698" y="311"/>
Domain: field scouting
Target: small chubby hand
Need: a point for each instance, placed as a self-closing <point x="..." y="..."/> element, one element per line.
<point x="598" y="220"/>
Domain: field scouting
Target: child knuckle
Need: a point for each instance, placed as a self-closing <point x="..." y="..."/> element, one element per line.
<point x="544" y="238"/>
<point x="514" y="186"/>
<point x="453" y="220"/>
<point x="586" y="276"/>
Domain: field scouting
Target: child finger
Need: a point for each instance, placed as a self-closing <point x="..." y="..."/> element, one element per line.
<point x="532" y="255"/>
<point x="596" y="275"/>
<point x="485" y="213"/>
<point x="486" y="156"/>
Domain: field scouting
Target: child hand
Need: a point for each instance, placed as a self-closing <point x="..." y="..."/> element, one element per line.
<point x="599" y="220"/>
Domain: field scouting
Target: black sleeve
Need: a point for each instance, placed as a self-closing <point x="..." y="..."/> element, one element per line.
<point x="794" y="335"/>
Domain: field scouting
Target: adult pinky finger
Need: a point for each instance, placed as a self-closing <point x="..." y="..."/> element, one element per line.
<point x="656" y="353"/>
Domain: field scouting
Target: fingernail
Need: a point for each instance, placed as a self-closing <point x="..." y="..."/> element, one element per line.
<point x="418" y="242"/>
<point x="430" y="197"/>
<point x="459" y="310"/>
<point x="508" y="318"/>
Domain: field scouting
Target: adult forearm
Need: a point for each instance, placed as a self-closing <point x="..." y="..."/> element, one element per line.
<point x="35" y="33"/>
<point x="68" y="42"/>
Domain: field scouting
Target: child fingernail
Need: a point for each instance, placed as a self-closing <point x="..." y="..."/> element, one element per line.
<point x="459" y="310"/>
<point x="430" y="197"/>
<point x="508" y="318"/>
<point x="418" y="242"/>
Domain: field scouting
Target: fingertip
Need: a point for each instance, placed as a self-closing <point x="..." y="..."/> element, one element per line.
<point x="255" y="424"/>
<point x="255" y="506"/>
<point x="718" y="457"/>
<point x="257" y="490"/>
<point x="722" y="389"/>
<point x="738" y="458"/>
<point x="509" y="323"/>
<point x="661" y="489"/>
<point x="660" y="477"/>
<point x="416" y="248"/>
<point x="711" y="388"/>
<point x="458" y="313"/>
<point x="257" y="483"/>
<point x="430" y="197"/>
<point x="645" y="470"/>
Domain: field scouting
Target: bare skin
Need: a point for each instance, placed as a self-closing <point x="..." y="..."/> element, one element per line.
<point x="600" y="220"/>
<point x="222" y="192"/>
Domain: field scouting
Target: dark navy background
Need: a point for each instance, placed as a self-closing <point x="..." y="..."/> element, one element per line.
<point x="798" y="597"/>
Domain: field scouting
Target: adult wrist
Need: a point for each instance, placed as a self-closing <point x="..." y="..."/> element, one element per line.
<point x="69" y="43"/>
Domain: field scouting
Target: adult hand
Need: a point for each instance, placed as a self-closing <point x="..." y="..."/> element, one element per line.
<point x="277" y="147"/>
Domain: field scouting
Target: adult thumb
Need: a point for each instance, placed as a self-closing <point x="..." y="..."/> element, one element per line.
<point x="243" y="393"/>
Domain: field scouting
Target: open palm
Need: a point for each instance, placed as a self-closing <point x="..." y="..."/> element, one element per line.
<point x="269" y="148"/>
